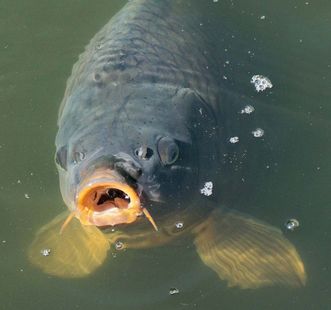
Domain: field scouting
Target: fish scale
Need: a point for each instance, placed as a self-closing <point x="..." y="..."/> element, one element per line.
<point x="135" y="47"/>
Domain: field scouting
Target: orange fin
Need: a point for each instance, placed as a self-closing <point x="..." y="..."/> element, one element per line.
<point x="75" y="253"/>
<point x="248" y="253"/>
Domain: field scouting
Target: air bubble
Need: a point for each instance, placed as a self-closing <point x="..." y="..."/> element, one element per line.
<point x="119" y="245"/>
<point x="292" y="224"/>
<point x="234" y="140"/>
<point x="45" y="252"/>
<point x="179" y="225"/>
<point x="207" y="190"/>
<point x="248" y="109"/>
<point x="258" y="133"/>
<point x="261" y="82"/>
<point x="173" y="291"/>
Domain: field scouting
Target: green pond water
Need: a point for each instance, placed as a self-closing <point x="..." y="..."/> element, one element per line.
<point x="288" y="41"/>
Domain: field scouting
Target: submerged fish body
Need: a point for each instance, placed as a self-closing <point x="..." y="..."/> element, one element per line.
<point x="140" y="128"/>
<point x="136" y="102"/>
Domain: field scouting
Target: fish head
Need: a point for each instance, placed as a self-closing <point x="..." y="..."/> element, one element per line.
<point x="142" y="152"/>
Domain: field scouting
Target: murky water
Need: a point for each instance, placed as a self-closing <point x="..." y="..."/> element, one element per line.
<point x="288" y="42"/>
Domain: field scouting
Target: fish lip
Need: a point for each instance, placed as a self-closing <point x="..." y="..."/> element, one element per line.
<point x="109" y="212"/>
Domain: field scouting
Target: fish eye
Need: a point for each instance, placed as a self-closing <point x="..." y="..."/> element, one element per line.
<point x="61" y="157"/>
<point x="168" y="150"/>
<point x="144" y="152"/>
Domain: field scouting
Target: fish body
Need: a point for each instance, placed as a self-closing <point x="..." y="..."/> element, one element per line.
<point x="134" y="104"/>
<point x="141" y="129"/>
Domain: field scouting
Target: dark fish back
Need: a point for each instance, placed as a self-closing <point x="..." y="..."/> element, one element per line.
<point x="155" y="42"/>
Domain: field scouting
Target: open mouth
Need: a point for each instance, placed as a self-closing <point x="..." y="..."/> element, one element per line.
<point x="110" y="198"/>
<point x="104" y="202"/>
<point x="104" y="199"/>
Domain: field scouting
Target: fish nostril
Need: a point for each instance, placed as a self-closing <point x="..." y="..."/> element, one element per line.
<point x="144" y="153"/>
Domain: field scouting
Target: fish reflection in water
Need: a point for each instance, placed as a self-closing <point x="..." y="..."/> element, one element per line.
<point x="142" y="129"/>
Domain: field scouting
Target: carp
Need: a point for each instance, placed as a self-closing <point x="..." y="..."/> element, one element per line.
<point x="141" y="130"/>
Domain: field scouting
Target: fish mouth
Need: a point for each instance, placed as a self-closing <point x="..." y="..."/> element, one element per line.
<point x="105" y="199"/>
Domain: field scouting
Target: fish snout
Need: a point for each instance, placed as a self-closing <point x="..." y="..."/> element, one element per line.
<point x="106" y="197"/>
<point x="125" y="165"/>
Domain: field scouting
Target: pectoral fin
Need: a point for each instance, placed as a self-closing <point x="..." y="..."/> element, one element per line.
<point x="248" y="253"/>
<point x="77" y="252"/>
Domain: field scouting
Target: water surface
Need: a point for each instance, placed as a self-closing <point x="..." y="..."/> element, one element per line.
<point x="288" y="42"/>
